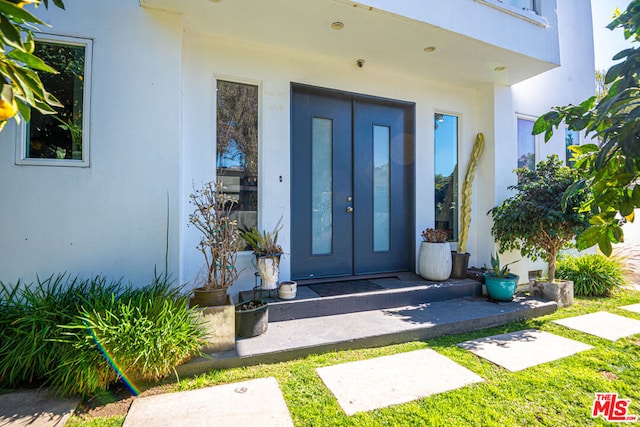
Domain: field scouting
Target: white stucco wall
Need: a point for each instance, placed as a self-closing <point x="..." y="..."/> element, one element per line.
<point x="110" y="217"/>
<point x="152" y="137"/>
<point x="206" y="57"/>
<point x="489" y="23"/>
<point x="571" y="83"/>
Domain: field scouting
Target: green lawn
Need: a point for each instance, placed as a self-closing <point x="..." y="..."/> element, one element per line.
<point x="559" y="393"/>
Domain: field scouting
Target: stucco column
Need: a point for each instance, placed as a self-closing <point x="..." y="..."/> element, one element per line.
<point x="495" y="170"/>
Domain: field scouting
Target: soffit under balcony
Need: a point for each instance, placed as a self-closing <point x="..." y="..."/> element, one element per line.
<point x="383" y="39"/>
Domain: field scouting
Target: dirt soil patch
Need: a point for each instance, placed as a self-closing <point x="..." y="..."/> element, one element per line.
<point x="116" y="401"/>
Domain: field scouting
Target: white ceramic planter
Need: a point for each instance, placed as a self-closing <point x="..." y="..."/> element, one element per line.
<point x="434" y="261"/>
<point x="287" y="290"/>
<point x="269" y="270"/>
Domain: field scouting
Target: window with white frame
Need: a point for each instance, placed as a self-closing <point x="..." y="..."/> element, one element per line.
<point x="526" y="143"/>
<point x="60" y="139"/>
<point x="526" y="5"/>
<point x="237" y="147"/>
<point x="529" y="10"/>
<point x="572" y="137"/>
<point x="446" y="174"/>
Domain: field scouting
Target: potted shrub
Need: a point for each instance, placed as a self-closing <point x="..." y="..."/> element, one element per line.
<point x="434" y="260"/>
<point x="460" y="258"/>
<point x="218" y="244"/>
<point x="501" y="285"/>
<point x="267" y="251"/>
<point x="541" y="219"/>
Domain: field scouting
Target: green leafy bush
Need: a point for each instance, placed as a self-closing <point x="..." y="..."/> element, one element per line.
<point x="59" y="331"/>
<point x="592" y="275"/>
<point x="539" y="220"/>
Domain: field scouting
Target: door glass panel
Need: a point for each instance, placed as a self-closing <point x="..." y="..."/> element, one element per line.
<point x="321" y="186"/>
<point x="381" y="184"/>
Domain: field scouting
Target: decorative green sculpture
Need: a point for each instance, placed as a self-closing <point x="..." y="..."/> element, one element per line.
<point x="465" y="205"/>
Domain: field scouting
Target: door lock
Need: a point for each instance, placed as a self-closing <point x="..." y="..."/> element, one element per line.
<point x="349" y="199"/>
<point x="349" y="209"/>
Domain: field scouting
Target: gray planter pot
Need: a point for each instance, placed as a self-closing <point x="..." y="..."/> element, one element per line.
<point x="560" y="291"/>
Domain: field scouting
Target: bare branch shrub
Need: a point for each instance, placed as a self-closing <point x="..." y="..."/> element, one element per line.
<point x="220" y="238"/>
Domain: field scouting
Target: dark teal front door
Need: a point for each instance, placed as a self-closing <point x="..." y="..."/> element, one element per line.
<point x="352" y="184"/>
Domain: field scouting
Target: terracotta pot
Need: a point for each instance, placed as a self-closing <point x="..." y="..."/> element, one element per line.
<point x="203" y="297"/>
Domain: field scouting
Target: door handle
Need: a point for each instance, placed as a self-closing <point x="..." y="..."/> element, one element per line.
<point x="349" y="209"/>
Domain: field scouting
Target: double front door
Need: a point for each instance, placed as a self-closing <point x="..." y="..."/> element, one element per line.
<point x="352" y="184"/>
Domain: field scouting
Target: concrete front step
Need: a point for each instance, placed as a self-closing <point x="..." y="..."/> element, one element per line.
<point x="397" y="293"/>
<point x="287" y="340"/>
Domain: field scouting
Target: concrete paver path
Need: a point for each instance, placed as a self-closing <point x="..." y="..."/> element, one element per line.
<point x="250" y="403"/>
<point x="523" y="349"/>
<point x="602" y="324"/>
<point x="388" y="380"/>
<point x="35" y="408"/>
<point x="633" y="307"/>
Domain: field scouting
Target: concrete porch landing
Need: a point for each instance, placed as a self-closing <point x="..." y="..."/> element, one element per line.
<point x="287" y="340"/>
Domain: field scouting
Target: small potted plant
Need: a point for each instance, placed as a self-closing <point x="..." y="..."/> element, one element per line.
<point x="268" y="253"/>
<point x="218" y="244"/>
<point x="434" y="260"/>
<point x="501" y="284"/>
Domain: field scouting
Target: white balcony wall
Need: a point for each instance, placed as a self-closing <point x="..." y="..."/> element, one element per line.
<point x="536" y="37"/>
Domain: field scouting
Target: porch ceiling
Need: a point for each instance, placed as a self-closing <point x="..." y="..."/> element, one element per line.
<point x="382" y="39"/>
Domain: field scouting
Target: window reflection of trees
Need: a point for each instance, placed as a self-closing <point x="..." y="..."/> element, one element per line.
<point x="446" y="185"/>
<point x="237" y="147"/>
<point x="59" y="136"/>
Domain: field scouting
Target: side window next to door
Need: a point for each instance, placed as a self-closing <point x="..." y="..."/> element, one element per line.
<point x="446" y="174"/>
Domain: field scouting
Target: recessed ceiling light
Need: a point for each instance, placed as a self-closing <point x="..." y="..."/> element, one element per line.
<point x="429" y="49"/>
<point x="500" y="68"/>
<point x="337" y="25"/>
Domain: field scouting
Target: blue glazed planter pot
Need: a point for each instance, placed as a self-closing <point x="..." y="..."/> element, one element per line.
<point x="501" y="288"/>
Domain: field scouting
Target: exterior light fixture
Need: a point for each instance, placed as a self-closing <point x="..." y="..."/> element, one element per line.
<point x="429" y="49"/>
<point x="337" y="25"/>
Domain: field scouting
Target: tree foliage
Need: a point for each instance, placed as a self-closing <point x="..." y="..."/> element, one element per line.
<point x="611" y="168"/>
<point x="22" y="88"/>
<point x="536" y="221"/>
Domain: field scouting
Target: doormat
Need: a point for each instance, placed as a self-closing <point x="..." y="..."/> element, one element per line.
<point x="344" y="288"/>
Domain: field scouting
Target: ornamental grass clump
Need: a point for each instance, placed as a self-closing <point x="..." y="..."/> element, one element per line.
<point x="79" y="336"/>
<point x="593" y="275"/>
<point x="540" y="219"/>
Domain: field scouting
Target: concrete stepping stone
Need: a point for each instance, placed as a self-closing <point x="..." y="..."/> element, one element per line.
<point x="35" y="408"/>
<point x="633" y="307"/>
<point x="248" y="403"/>
<point x="520" y="350"/>
<point x="602" y="324"/>
<point x="388" y="380"/>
